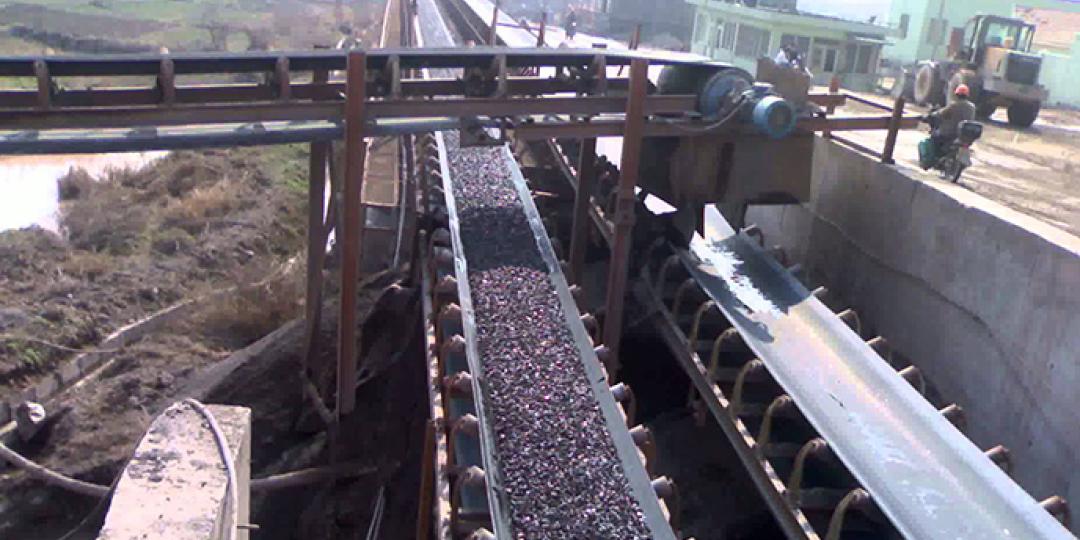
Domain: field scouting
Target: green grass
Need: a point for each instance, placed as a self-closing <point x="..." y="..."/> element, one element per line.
<point x="287" y="165"/>
<point x="154" y="10"/>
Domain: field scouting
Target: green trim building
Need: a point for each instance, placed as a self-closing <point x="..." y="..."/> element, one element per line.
<point x="740" y="34"/>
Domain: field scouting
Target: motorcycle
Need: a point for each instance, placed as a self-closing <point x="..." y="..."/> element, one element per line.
<point x="955" y="157"/>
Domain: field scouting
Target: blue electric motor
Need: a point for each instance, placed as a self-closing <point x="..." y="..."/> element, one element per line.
<point x="774" y="117"/>
<point x="731" y="94"/>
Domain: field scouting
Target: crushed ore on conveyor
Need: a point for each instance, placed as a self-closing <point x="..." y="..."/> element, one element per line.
<point x="562" y="474"/>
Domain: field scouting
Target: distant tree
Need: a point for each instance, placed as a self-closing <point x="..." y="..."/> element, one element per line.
<point x="219" y="31"/>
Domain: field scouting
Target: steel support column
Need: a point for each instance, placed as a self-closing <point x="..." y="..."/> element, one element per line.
<point x="580" y="234"/>
<point x="493" y="37"/>
<point x="316" y="243"/>
<point x="355" y="151"/>
<point x="541" y="36"/>
<point x="618" y="273"/>
<point x="316" y="249"/>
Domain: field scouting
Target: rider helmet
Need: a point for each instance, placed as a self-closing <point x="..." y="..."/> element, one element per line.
<point x="962" y="91"/>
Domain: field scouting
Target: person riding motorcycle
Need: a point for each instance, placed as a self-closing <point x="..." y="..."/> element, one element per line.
<point x="946" y="122"/>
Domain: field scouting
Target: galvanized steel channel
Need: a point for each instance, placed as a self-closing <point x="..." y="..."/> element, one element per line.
<point x="926" y="476"/>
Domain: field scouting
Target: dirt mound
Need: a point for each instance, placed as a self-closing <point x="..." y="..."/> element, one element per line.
<point x="139" y="241"/>
<point x="27" y="255"/>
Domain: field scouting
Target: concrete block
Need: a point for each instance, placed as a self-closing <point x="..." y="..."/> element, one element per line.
<point x="48" y="387"/>
<point x="175" y="485"/>
<point x="69" y="372"/>
<point x="89" y="361"/>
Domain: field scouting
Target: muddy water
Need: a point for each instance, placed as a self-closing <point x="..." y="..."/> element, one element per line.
<point x="28" y="190"/>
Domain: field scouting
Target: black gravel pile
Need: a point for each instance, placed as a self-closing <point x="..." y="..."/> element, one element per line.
<point x="562" y="474"/>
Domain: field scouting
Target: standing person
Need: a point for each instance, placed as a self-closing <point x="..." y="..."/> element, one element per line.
<point x="571" y="23"/>
<point x="787" y="57"/>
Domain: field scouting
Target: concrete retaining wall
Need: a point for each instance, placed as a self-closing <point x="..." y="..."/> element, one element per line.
<point x="984" y="300"/>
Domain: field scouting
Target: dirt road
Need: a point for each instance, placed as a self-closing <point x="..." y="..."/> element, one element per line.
<point x="1035" y="171"/>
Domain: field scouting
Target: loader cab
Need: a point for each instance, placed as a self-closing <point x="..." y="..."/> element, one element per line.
<point x="987" y="33"/>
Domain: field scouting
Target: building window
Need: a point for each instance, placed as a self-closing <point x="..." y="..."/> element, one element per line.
<point x="728" y="43"/>
<point x="701" y="28"/>
<point x="718" y="39"/>
<point x="825" y="56"/>
<point x="752" y="42"/>
<point x="863" y="63"/>
<point x="857" y="58"/>
<point x="850" y="52"/>
<point x="905" y="24"/>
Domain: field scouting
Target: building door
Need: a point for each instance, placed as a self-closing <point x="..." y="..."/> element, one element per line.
<point x="825" y="56"/>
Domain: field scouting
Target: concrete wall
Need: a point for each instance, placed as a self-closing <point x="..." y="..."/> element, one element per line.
<point x="174" y="487"/>
<point x="984" y="300"/>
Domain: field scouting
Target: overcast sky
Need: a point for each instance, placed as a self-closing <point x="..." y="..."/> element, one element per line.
<point x="849" y="9"/>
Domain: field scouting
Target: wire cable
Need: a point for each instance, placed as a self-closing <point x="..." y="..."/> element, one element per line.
<point x="226" y="457"/>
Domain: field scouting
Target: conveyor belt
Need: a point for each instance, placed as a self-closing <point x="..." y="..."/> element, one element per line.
<point x="558" y="457"/>
<point x="924" y="475"/>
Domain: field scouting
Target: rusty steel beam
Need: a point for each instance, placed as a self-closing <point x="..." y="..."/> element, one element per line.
<point x="496" y="107"/>
<point x="119" y="96"/>
<point x="201" y="63"/>
<point x="130" y="117"/>
<point x="242" y="132"/>
<point x="541" y="36"/>
<point x="586" y="174"/>
<point x="355" y="152"/>
<point x="828" y="100"/>
<point x="124" y="117"/>
<point x="868" y="102"/>
<point x="894" y="132"/>
<point x="613" y="127"/>
<point x="318" y="167"/>
<point x="633" y="137"/>
<point x="316" y="249"/>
